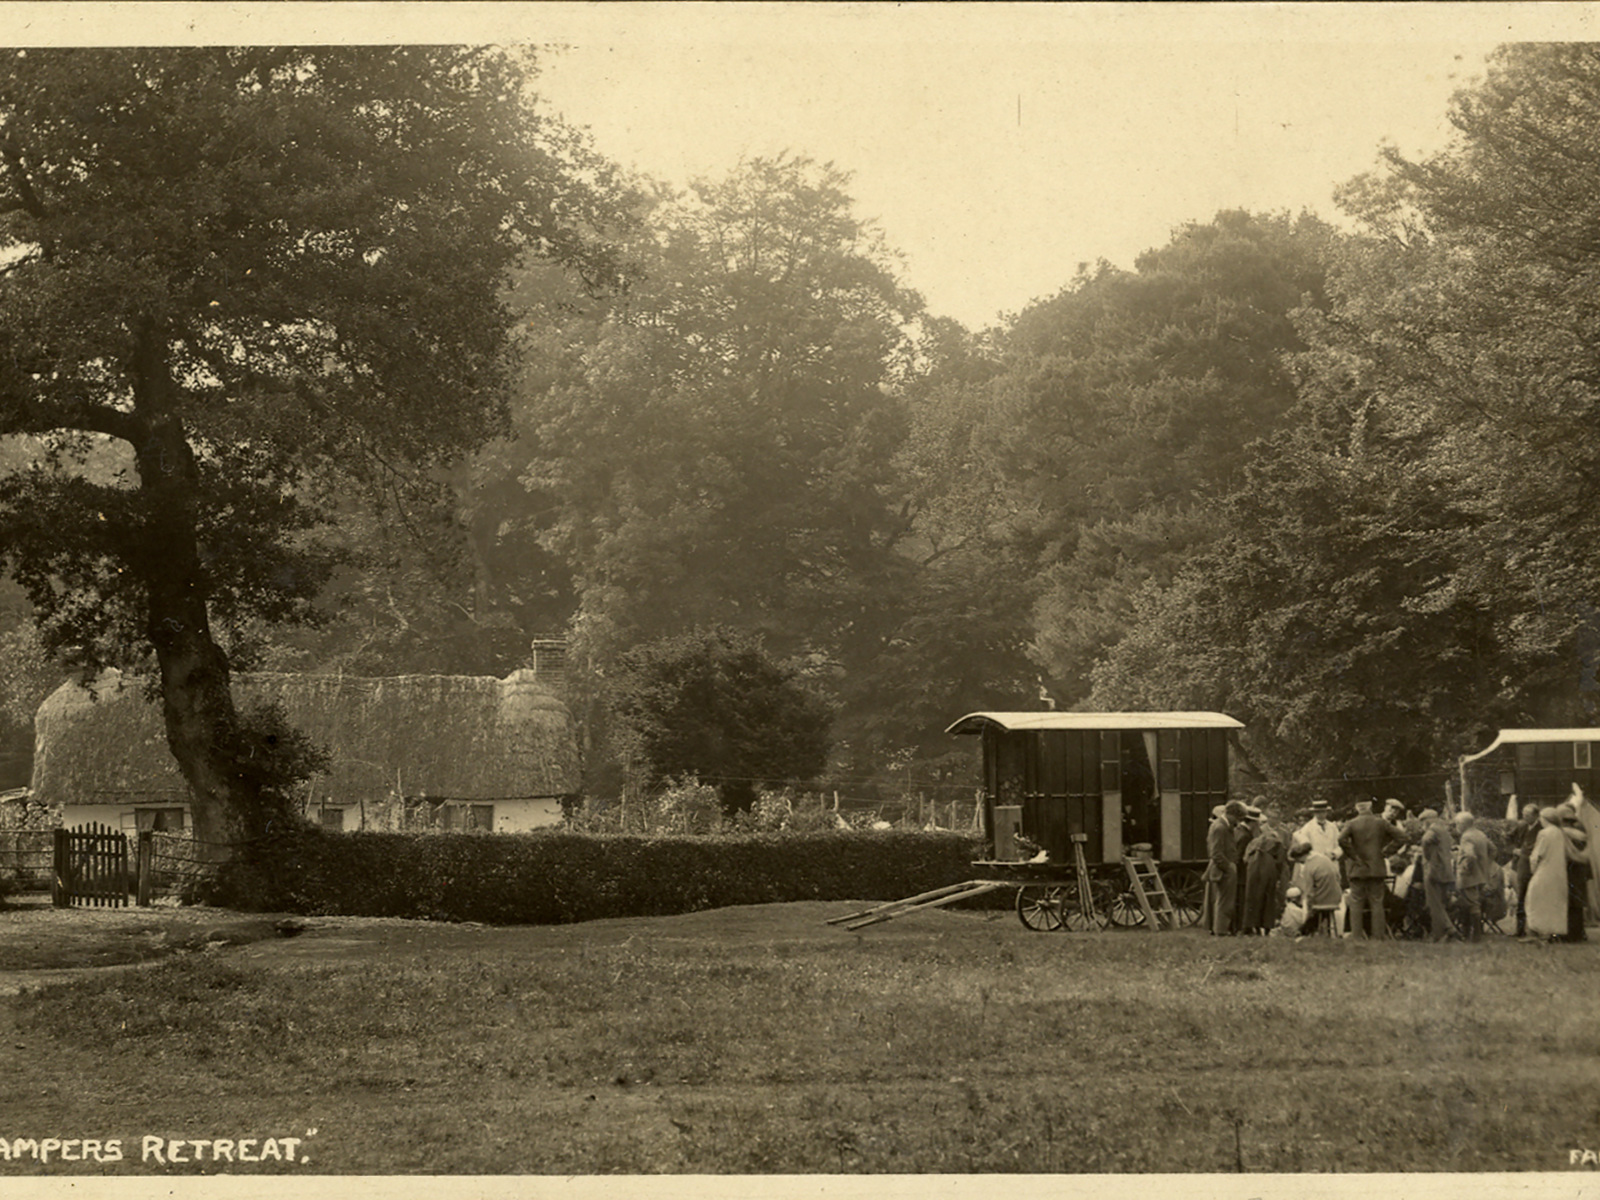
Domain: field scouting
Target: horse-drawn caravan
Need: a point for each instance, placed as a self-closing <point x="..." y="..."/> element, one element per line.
<point x="1095" y="818"/>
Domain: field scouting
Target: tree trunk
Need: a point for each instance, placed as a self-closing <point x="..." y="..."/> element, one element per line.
<point x="197" y="704"/>
<point x="197" y="707"/>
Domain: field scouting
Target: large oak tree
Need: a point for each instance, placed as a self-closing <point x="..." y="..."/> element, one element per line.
<point x="248" y="269"/>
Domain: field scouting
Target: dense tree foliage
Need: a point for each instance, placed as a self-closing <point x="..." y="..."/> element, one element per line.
<point x="251" y="269"/>
<point x="719" y="441"/>
<point x="1342" y="486"/>
<point x="715" y="705"/>
<point x="1405" y="569"/>
<point x="1328" y="615"/>
<point x="1127" y="410"/>
<point x="1051" y="467"/>
<point x="950" y="632"/>
<point x="715" y="443"/>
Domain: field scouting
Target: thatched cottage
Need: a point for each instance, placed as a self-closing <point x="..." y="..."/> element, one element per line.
<point x="436" y="751"/>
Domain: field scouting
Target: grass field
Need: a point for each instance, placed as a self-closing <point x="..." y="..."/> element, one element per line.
<point x="761" y="1040"/>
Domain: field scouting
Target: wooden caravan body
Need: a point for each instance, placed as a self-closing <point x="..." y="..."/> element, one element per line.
<point x="1120" y="779"/>
<point x="1538" y="766"/>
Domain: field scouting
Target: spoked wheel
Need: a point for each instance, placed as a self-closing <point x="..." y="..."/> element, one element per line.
<point x="1116" y="902"/>
<point x="1044" y="908"/>
<point x="1186" y="888"/>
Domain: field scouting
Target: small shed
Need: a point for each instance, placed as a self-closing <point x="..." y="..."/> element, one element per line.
<point x="1538" y="766"/>
<point x="1119" y="778"/>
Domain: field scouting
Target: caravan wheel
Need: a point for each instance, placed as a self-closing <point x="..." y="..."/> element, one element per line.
<point x="1043" y="909"/>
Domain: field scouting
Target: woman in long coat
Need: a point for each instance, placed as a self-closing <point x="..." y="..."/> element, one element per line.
<point x="1264" y="861"/>
<point x="1546" y="901"/>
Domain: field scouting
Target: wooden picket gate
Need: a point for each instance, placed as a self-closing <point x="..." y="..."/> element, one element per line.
<point x="91" y="867"/>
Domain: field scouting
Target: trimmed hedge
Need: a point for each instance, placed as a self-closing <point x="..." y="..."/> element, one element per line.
<point x="556" y="877"/>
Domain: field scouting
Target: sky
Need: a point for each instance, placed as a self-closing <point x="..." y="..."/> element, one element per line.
<point x="997" y="146"/>
<point x="998" y="164"/>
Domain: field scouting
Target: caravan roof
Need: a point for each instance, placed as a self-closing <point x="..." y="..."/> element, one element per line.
<point x="978" y="721"/>
<point x="1511" y="737"/>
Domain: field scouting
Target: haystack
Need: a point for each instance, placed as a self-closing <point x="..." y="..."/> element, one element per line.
<point x="454" y="737"/>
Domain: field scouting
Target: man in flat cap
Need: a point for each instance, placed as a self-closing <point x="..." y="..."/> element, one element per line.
<point x="1476" y="872"/>
<point x="1366" y="842"/>
<point x="1318" y="880"/>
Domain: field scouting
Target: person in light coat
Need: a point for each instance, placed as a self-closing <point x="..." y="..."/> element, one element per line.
<point x="1293" y="919"/>
<point x="1547" y="890"/>
<point x="1320" y="832"/>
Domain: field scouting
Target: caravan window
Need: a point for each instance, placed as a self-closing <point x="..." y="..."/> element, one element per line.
<point x="1580" y="755"/>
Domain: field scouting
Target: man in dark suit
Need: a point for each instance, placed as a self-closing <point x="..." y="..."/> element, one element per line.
<point x="1438" y="873"/>
<point x="1577" y="847"/>
<point x="1366" y="841"/>
<point x="1222" y="871"/>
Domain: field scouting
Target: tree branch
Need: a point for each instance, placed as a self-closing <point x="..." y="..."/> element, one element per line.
<point x="38" y="417"/>
<point x="26" y="196"/>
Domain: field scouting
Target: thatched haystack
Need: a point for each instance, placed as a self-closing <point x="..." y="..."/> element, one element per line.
<point x="456" y="737"/>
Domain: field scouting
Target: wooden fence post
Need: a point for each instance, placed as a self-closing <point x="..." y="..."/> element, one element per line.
<point x="145" y="867"/>
<point x="60" y="868"/>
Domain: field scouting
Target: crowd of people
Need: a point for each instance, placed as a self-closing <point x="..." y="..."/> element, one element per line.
<point x="1431" y="876"/>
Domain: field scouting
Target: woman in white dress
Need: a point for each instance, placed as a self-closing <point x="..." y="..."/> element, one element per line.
<point x="1547" y="889"/>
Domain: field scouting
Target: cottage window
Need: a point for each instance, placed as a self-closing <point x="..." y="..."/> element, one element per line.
<point x="161" y="820"/>
<point x="459" y="817"/>
<point x="1580" y="755"/>
<point x="333" y="819"/>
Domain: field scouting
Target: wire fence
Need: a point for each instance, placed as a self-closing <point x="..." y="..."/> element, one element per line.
<point x="175" y="863"/>
<point x="170" y="863"/>
<point x="27" y="856"/>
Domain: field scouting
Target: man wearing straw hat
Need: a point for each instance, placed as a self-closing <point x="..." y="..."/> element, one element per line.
<point x="1320" y="833"/>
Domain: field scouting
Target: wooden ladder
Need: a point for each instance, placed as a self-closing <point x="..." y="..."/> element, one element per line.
<point x="1144" y="879"/>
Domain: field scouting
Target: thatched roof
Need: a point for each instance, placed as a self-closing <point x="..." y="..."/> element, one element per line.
<point x="457" y="737"/>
